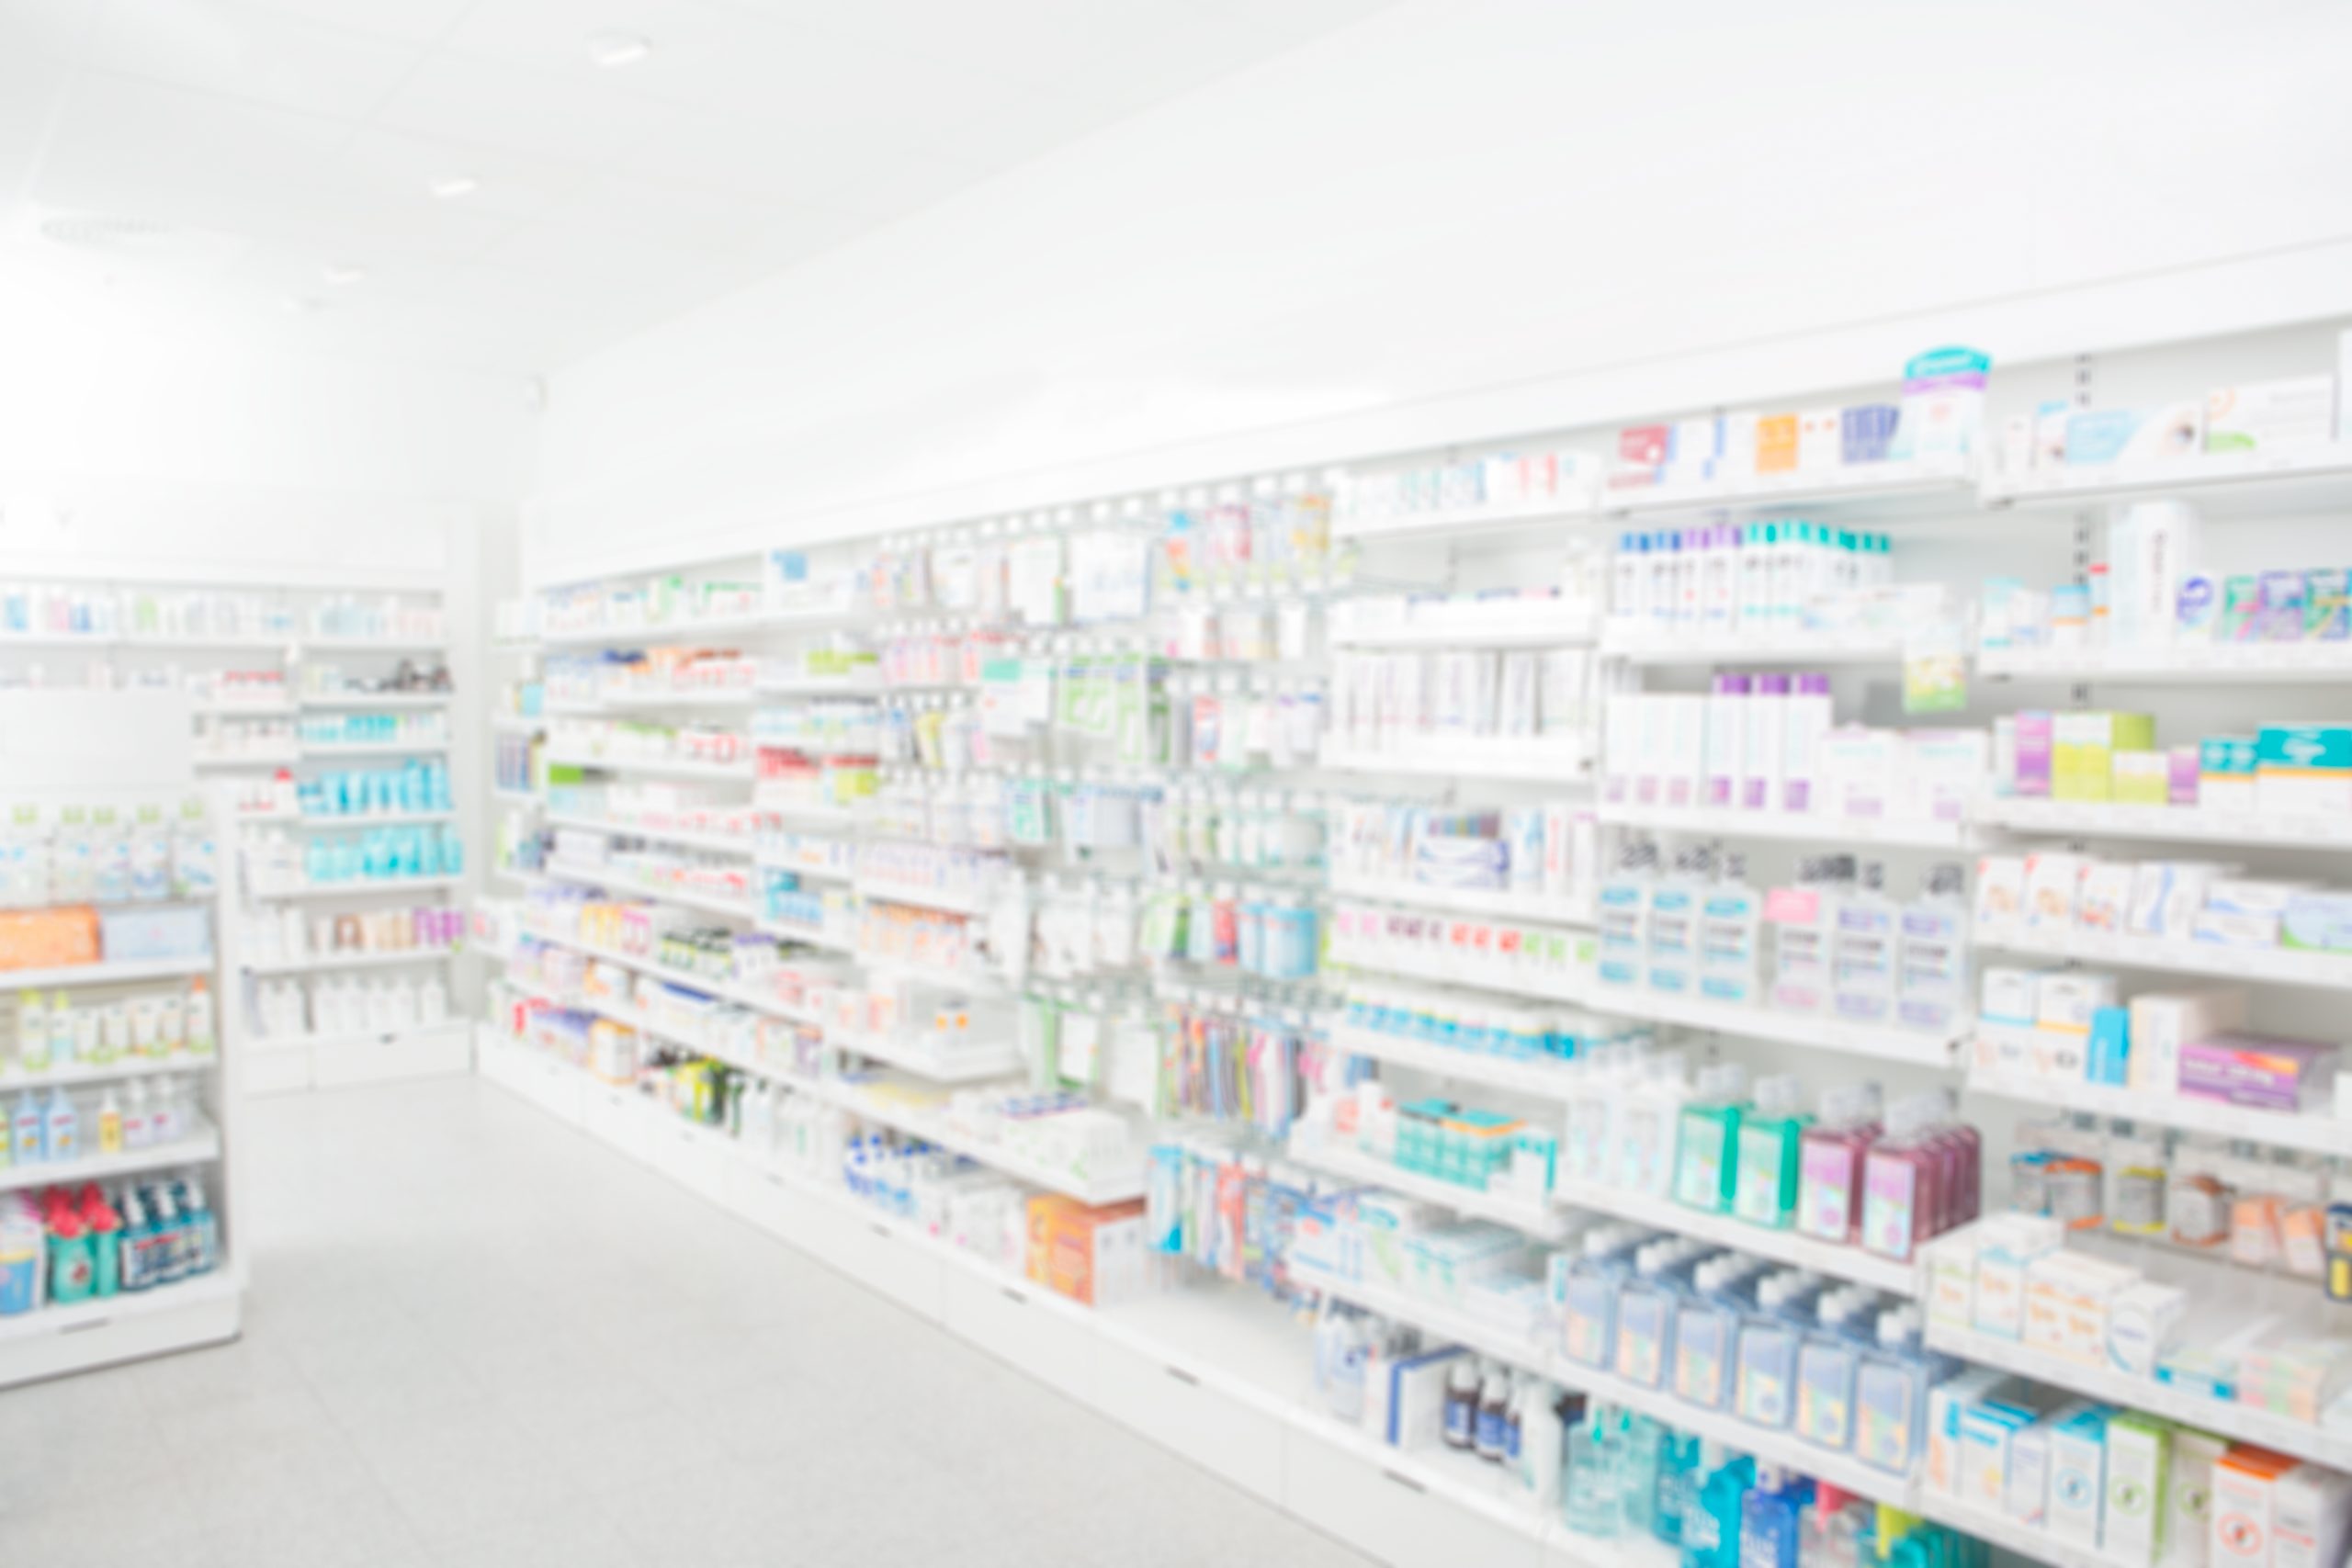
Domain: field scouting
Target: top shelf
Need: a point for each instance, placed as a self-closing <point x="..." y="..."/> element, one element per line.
<point x="2225" y="484"/>
<point x="788" y="619"/>
<point x="1887" y="492"/>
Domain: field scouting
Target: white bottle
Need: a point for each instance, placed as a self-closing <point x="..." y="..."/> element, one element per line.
<point x="64" y="1037"/>
<point x="1756" y="543"/>
<point x="1731" y="949"/>
<point x="1671" y="962"/>
<point x="1862" y="951"/>
<point x="1622" y="913"/>
<point x="1726" y="774"/>
<point x="1628" y="571"/>
<point x="137" y="1130"/>
<point x="1767" y="718"/>
<point x="1805" y="719"/>
<point x="1653" y="1118"/>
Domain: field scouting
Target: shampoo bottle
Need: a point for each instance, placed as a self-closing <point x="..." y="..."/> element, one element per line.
<point x="1649" y="1122"/>
<point x="1829" y="1197"/>
<point x="1764" y="1192"/>
<point x="1707" y="1152"/>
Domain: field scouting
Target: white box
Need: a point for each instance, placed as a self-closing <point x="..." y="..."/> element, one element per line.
<point x="2139" y="1325"/>
<point x="2164" y="1022"/>
<point x="2137" y="1451"/>
<point x="2077" y="1477"/>
<point x="2310" y="1518"/>
<point x="2027" y="1496"/>
<point x="2000" y="892"/>
<point x="2103" y="898"/>
<point x="2051" y="883"/>
<point x="2270" y="416"/>
<point x="2189" y="1505"/>
<point x="2064" y="1001"/>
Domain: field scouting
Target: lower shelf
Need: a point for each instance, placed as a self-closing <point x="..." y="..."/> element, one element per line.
<point x="293" y="1066"/>
<point x="1220" y="1377"/>
<point x="57" y="1340"/>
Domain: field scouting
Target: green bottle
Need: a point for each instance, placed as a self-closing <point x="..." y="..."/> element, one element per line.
<point x="1707" y="1158"/>
<point x="1771" y="1140"/>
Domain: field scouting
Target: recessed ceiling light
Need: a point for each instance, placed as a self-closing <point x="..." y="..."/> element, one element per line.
<point x="454" y="186"/>
<point x="342" y="273"/>
<point x="611" y="50"/>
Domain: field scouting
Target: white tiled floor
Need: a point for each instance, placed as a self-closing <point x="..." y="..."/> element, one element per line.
<point x="475" y="1337"/>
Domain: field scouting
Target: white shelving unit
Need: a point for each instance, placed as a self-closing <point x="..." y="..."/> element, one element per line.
<point x="2316" y="1133"/>
<point x="2189" y="664"/>
<point x="2282" y="966"/>
<point x="1894" y="832"/>
<point x="2166" y="824"/>
<point x="1894" y="1276"/>
<point x="1511" y="1208"/>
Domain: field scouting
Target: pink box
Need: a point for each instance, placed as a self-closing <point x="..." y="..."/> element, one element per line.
<point x="2034" y="730"/>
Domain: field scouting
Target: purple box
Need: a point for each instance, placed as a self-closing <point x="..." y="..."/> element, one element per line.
<point x="2259" y="1071"/>
<point x="2033" y="755"/>
<point x="2183" y="767"/>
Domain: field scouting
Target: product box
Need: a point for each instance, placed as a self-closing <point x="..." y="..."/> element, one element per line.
<point x="1987" y="1429"/>
<point x="2181" y="788"/>
<point x="2065" y="1001"/>
<point x="2239" y="619"/>
<point x="2270" y="416"/>
<point x="2282" y="606"/>
<point x="179" y="932"/>
<point x="1821" y="440"/>
<point x="2246" y="1483"/>
<point x="1865" y="430"/>
<point x="1089" y="1255"/>
<point x="2099" y="436"/>
<point x="2013" y="1245"/>
<point x="2167" y="431"/>
<point x="2050" y="421"/>
<point x="2051" y="882"/>
<point x="2083" y="749"/>
<point x="2142" y="778"/>
<point x="2000" y="892"/>
<point x="2103" y="898"/>
<point x="1857" y="768"/>
<point x="2026" y="1497"/>
<point x="2078" y="1476"/>
<point x="2163" y="1022"/>
<point x="1947" y="1406"/>
<point x="2188" y="1511"/>
<point x="2139" y="1452"/>
<point x="2303" y="768"/>
<point x="2141" y="1323"/>
<point x="2066" y="1297"/>
<point x="2292" y="1075"/>
<point x="2009" y="995"/>
<point x="2310" y="1518"/>
<point x="1776" y="444"/>
<point x="2034" y="744"/>
<point x="2225" y="775"/>
<point x="54" y="938"/>
<point x="2317" y="922"/>
<point x="2197" y="608"/>
<point x="2327" y="604"/>
<point x="2166" y="894"/>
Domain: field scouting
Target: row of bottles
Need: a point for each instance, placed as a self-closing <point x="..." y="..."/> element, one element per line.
<point x="57" y="1033"/>
<point x="60" y="1127"/>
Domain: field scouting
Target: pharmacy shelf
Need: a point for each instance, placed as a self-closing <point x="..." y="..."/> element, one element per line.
<point x="817" y="686"/>
<point x="2028" y="1542"/>
<point x="643" y="701"/>
<point x="906" y="972"/>
<point x="2199" y="664"/>
<point x="803" y="810"/>
<point x="954" y="902"/>
<point x="2276" y="965"/>
<point x="122" y="972"/>
<point x="1519" y="1212"/>
<point x="1639" y="645"/>
<point x="2221" y="1417"/>
<point x="358" y="887"/>
<point x="621" y="882"/>
<point x="1772" y="1444"/>
<point x="220" y="1285"/>
<point x="1463" y="900"/>
<point x="1879" y="1043"/>
<point x="883" y="1109"/>
<point x="741" y="994"/>
<point x="807" y="936"/>
<point x="399" y="1055"/>
<point x="2319" y="1133"/>
<point x="2222" y="484"/>
<point x="375" y="748"/>
<point x="390" y="644"/>
<point x="1512" y="980"/>
<point x="659" y="632"/>
<point x="1545" y="1080"/>
<point x="197" y="642"/>
<point x="654" y="767"/>
<point x="715" y="844"/>
<point x="240" y="710"/>
<point x="1498" y="631"/>
<point x="971" y="1067"/>
<point x="346" y="701"/>
<point x="1466" y="521"/>
<point x="199" y="1147"/>
<point x="285" y="759"/>
<point x="1894" y="832"/>
<point x="1839" y="1262"/>
<point x="1884" y="492"/>
<point x="316" y="963"/>
<point x="73" y="1074"/>
<point x="2170" y="824"/>
<point x="39" y="641"/>
<point x="523" y="799"/>
<point x="768" y="861"/>
<point x="515" y="723"/>
<point x="318" y="823"/>
<point x="1471" y="760"/>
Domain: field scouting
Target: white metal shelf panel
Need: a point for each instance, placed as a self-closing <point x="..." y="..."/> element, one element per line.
<point x="313" y="963"/>
<point x="71" y="1075"/>
<point x="731" y="697"/>
<point x="1886" y="491"/>
<point x="1470" y="759"/>
<point x="1463" y="900"/>
<point x="1468" y="522"/>
<point x="358" y="888"/>
<point x="1118" y="1188"/>
<point x="199" y="1147"/>
<point x="741" y="994"/>
<point x="121" y="972"/>
<point x="2222" y="484"/>
<point x="621" y="882"/>
<point x="313" y="822"/>
<point x="714" y="844"/>
<point x="1894" y="832"/>
<point x="2277" y="965"/>
<point x="653" y="767"/>
<point x="952" y="901"/>
<point x="221" y="1284"/>
<point x="2205" y="664"/>
<point x="1498" y="631"/>
<point x="2221" y="1417"/>
<point x="1839" y="1262"/>
<point x="1881" y="1043"/>
<point x="2171" y="824"/>
<point x="375" y="748"/>
<point x="2317" y="1134"/>
<point x="1638" y="645"/>
<point x="1537" y="1219"/>
<point x="346" y="701"/>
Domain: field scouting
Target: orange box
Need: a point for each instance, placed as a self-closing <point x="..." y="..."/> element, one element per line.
<point x="1776" y="444"/>
<point x="49" y="939"/>
<point x="1094" y="1256"/>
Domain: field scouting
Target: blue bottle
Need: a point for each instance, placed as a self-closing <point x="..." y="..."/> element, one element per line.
<point x="1646" y="1307"/>
<point x="1771" y="1518"/>
<point x="1846" y="1327"/>
<point x="1712" y="1519"/>
<point x="1764" y="1385"/>
<point x="1588" y="1296"/>
<point x="1891" y="1388"/>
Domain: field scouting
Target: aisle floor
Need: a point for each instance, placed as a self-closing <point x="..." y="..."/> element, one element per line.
<point x="475" y="1337"/>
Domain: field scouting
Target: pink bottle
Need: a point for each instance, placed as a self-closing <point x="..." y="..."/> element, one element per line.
<point x="1903" y="1182"/>
<point x="1830" y="1163"/>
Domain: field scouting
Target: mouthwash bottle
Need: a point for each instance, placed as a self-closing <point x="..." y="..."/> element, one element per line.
<point x="1621" y="914"/>
<point x="1707" y="1145"/>
<point x="1903" y="1176"/>
<point x="1711" y="1520"/>
<point x="1891" y="1395"/>
<point x="1588" y="1295"/>
<point x="1706" y="1328"/>
<point x="1649" y="1124"/>
<point x="1591" y="1501"/>
<point x="1846" y="1327"/>
<point x="1675" y="898"/>
<point x="1764" y="1192"/>
<point x="1764" y="1386"/>
<point x="1679" y="1456"/>
<point x="1771" y="1520"/>
<point x="1646" y="1305"/>
<point x="1830" y="1163"/>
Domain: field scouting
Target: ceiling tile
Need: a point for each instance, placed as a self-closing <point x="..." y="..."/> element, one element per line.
<point x="134" y="145"/>
<point x="509" y="110"/>
<point x="244" y="52"/>
<point x="1032" y="124"/>
<point x="880" y="183"/>
<point x="667" y="212"/>
<point x="54" y="29"/>
<point x="727" y="152"/>
<point x="415" y="21"/>
<point x="396" y="170"/>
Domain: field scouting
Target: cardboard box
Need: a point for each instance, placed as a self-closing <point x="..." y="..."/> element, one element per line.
<point x="2138" y="1454"/>
<point x="2303" y="768"/>
<point x="2270" y="416"/>
<point x="2246" y="1483"/>
<point x="2163" y="1022"/>
<point x="2051" y="881"/>
<point x="1089" y="1255"/>
<point x="2310" y="1518"/>
<point x="2078" y="1476"/>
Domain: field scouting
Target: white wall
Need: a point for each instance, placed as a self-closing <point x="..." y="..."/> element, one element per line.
<point x="1467" y="217"/>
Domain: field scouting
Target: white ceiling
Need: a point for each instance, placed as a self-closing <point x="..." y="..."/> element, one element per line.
<point x="294" y="136"/>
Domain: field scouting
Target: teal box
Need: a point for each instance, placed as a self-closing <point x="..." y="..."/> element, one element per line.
<point x="2241" y="609"/>
<point x="2303" y="748"/>
<point x="2327" y="604"/>
<point x="2225" y="755"/>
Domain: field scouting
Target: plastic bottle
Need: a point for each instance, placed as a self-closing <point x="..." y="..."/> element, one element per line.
<point x="1833" y="1531"/>
<point x="1846" y="1326"/>
<point x="1891" y="1395"/>
<point x="109" y="1123"/>
<point x="1764" y="1381"/>
<point x="1902" y="1181"/>
<point x="1711" y="1520"/>
<point x="1647" y="1306"/>
<point x="1706" y="1328"/>
<point x="1764" y="1192"/>
<point x="1731" y="949"/>
<point x="63" y="1035"/>
<point x="61" y="1128"/>
<point x="1628" y="579"/>
<point x="32" y="1033"/>
<point x="1648" y="1125"/>
<point x="1679" y="1455"/>
<point x="136" y="1127"/>
<point x="201" y="1020"/>
<point x="1491" y="1434"/>
<point x="1829" y="1195"/>
<point x="1588" y="1295"/>
<point x="1707" y="1142"/>
<point x="1806" y="718"/>
<point x="1641" y="1449"/>
<point x="1761" y="752"/>
<point x="1595" y="1095"/>
<point x="1671" y="962"/>
<point x="1592" y="1502"/>
<point x="1771" y="1518"/>
<point x="25" y="1127"/>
